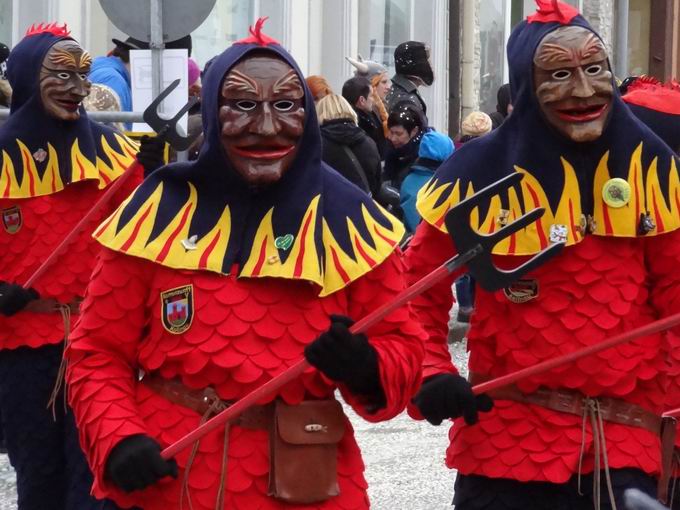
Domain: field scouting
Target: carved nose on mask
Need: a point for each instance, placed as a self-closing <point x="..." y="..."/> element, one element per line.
<point x="266" y="125"/>
<point x="582" y="88"/>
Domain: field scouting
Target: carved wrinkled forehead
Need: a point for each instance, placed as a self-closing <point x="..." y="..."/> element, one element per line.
<point x="68" y="54"/>
<point x="569" y="45"/>
<point x="249" y="76"/>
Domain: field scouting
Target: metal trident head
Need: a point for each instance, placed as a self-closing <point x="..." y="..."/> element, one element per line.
<point x="465" y="238"/>
<point x="168" y="127"/>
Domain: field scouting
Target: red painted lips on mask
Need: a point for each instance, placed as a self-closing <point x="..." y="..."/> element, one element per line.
<point x="262" y="118"/>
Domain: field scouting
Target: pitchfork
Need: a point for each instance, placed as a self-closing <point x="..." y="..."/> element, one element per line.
<point x="474" y="250"/>
<point x="165" y="128"/>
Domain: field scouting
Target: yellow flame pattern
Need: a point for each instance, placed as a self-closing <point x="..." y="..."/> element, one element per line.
<point x="33" y="185"/>
<point x="435" y="199"/>
<point x="331" y="270"/>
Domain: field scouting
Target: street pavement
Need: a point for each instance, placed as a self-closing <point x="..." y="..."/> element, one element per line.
<point x="404" y="461"/>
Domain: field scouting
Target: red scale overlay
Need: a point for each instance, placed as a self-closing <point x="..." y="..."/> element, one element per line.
<point x="592" y="291"/>
<point x="46" y="221"/>
<point x="244" y="332"/>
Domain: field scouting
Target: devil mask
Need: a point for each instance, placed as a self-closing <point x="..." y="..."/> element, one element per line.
<point x="572" y="138"/>
<point x="262" y="117"/>
<point x="48" y="142"/>
<point x="63" y="80"/>
<point x="258" y="201"/>
<point x="573" y="82"/>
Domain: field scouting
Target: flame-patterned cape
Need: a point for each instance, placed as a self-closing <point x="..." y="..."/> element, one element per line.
<point x="565" y="177"/>
<point x="312" y="225"/>
<point x="658" y="106"/>
<point x="42" y="155"/>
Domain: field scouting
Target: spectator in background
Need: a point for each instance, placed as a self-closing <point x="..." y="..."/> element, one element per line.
<point x="358" y="92"/>
<point x="503" y="107"/>
<point x="406" y="125"/>
<point x="345" y="146"/>
<point x="194" y="85"/>
<point x="435" y="148"/>
<point x="318" y="86"/>
<point x="476" y="124"/>
<point x="413" y="70"/>
<point x="381" y="83"/>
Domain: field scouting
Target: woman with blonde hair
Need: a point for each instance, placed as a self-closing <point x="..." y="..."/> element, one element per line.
<point x="345" y="146"/>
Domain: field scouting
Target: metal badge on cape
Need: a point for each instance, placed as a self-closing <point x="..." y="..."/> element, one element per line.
<point x="177" y="309"/>
<point x="11" y="219"/>
<point x="522" y="290"/>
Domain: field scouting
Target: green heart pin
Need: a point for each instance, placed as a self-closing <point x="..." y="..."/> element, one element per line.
<point x="284" y="242"/>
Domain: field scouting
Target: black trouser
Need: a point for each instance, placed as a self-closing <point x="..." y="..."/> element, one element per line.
<point x="51" y="469"/>
<point x="474" y="492"/>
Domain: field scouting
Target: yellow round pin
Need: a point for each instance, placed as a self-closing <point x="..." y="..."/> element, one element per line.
<point x="616" y="192"/>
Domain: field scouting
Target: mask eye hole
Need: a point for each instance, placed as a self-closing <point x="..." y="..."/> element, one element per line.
<point x="593" y="70"/>
<point x="284" y="105"/>
<point x="561" y="74"/>
<point x="246" y="105"/>
<point x="83" y="76"/>
<point x="63" y="76"/>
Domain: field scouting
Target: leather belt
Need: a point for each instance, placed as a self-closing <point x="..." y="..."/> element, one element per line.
<point x="612" y="410"/>
<point x="207" y="402"/>
<point x="50" y="305"/>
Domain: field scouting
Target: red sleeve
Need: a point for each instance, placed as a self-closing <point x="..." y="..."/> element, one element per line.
<point x="663" y="258"/>
<point x="101" y="356"/>
<point x="398" y="338"/>
<point x="429" y="249"/>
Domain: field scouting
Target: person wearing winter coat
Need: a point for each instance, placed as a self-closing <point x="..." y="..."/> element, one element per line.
<point x="406" y="126"/>
<point x="358" y="92"/>
<point x="345" y="146"/>
<point x="435" y="148"/>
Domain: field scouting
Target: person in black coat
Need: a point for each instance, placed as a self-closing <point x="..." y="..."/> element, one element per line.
<point x="345" y="146"/>
<point x="358" y="92"/>
<point x="406" y="125"/>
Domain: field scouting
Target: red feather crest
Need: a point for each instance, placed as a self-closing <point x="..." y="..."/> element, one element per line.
<point x="257" y="36"/>
<point x="49" y="28"/>
<point x="553" y="10"/>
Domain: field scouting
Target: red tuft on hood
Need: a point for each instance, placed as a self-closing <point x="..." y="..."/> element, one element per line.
<point x="553" y="11"/>
<point x="257" y="36"/>
<point x="49" y="28"/>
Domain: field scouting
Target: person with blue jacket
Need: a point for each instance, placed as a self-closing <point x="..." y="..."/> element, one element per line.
<point x="435" y="148"/>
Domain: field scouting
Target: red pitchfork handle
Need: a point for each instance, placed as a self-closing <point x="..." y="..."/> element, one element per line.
<point x="73" y="235"/>
<point x="273" y="385"/>
<point x="545" y="366"/>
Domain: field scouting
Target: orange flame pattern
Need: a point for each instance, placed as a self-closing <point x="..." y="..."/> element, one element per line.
<point x="332" y="269"/>
<point x="436" y="199"/>
<point x="32" y="184"/>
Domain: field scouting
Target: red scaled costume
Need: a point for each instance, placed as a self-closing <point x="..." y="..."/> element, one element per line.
<point x="617" y="272"/>
<point x="250" y="291"/>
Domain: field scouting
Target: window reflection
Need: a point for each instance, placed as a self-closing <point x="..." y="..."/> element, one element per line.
<point x="492" y="42"/>
<point x="383" y="25"/>
<point x="638" y="37"/>
<point x="228" y="22"/>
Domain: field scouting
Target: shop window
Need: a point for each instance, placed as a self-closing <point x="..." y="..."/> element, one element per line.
<point x="6" y="22"/>
<point x="228" y="22"/>
<point x="492" y="45"/>
<point x="638" y="36"/>
<point x="383" y="25"/>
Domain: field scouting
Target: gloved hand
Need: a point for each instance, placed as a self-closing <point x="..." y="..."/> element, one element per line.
<point x="136" y="462"/>
<point x="13" y="298"/>
<point x="347" y="358"/>
<point x="150" y="155"/>
<point x="450" y="396"/>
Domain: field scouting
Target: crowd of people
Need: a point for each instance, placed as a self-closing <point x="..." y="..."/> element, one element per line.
<point x="301" y="211"/>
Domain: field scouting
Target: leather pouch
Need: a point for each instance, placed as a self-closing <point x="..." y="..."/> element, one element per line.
<point x="303" y="449"/>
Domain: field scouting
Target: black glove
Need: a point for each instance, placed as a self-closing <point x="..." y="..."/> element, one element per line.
<point x="13" y="298"/>
<point x="450" y="396"/>
<point x="136" y="462"/>
<point x="150" y="155"/>
<point x="348" y="359"/>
